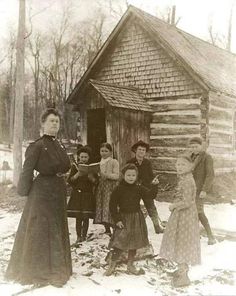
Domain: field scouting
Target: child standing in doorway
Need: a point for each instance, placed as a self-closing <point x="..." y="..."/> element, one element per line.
<point x="82" y="202"/>
<point x="181" y="239"/>
<point x="131" y="231"/>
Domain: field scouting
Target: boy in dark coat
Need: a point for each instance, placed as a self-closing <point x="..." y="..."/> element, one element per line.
<point x="145" y="173"/>
<point x="203" y="173"/>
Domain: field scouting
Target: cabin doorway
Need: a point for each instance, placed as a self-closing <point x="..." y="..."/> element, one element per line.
<point x="96" y="131"/>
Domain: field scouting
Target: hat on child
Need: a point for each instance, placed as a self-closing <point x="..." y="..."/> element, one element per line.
<point x="140" y="143"/>
<point x="195" y="140"/>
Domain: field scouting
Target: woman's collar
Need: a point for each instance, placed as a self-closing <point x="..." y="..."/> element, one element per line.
<point x="49" y="136"/>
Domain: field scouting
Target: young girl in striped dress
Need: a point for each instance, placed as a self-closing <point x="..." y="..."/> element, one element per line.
<point x="109" y="175"/>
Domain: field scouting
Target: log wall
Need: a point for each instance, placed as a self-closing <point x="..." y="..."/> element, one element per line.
<point x="221" y="117"/>
<point x="174" y="121"/>
<point x="178" y="107"/>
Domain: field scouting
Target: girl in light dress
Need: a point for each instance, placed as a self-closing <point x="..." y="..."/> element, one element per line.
<point x="181" y="239"/>
<point x="109" y="176"/>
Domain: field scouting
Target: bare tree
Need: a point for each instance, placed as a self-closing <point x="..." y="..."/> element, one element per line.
<point x="11" y="82"/>
<point x="19" y="99"/>
<point x="35" y="46"/>
<point x="168" y="15"/>
<point x="228" y="46"/>
<point x="220" y="39"/>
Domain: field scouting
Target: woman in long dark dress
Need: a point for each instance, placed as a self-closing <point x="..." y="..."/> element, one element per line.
<point x="41" y="251"/>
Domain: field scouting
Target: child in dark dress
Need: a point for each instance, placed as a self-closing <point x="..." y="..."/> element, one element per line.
<point x="82" y="202"/>
<point x="131" y="230"/>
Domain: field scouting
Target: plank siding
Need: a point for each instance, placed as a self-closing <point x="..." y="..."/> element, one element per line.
<point x="126" y="128"/>
<point x="94" y="100"/>
<point x="180" y="107"/>
<point x="135" y="60"/>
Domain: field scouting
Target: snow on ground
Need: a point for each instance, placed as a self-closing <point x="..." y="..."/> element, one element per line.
<point x="215" y="276"/>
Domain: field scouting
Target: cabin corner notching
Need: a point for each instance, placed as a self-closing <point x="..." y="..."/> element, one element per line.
<point x="154" y="82"/>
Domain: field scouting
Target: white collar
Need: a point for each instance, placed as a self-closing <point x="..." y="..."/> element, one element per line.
<point x="104" y="160"/>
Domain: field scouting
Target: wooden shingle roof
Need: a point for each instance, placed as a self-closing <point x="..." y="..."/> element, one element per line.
<point x="121" y="97"/>
<point x="213" y="68"/>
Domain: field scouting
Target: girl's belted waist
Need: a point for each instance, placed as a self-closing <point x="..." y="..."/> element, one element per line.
<point x="59" y="175"/>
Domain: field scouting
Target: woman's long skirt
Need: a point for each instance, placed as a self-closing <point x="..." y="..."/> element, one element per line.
<point x="41" y="251"/>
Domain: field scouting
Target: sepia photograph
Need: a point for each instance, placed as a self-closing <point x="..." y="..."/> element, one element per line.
<point x="117" y="147"/>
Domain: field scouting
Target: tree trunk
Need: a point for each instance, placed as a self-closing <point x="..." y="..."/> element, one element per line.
<point x="228" y="47"/>
<point x="19" y="98"/>
<point x="12" y="100"/>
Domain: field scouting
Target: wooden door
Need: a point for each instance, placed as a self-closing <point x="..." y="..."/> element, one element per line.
<point x="96" y="131"/>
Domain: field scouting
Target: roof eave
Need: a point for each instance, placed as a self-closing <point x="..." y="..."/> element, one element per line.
<point x="116" y="30"/>
<point x="144" y="109"/>
<point x="172" y="52"/>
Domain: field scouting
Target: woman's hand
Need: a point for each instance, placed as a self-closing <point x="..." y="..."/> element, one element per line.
<point x="120" y="225"/>
<point x="172" y="207"/>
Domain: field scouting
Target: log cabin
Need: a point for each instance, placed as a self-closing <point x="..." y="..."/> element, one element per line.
<point x="155" y="82"/>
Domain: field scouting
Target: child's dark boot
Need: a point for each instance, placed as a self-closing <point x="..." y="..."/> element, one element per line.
<point x="111" y="268"/>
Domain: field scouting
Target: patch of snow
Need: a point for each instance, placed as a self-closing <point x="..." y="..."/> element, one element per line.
<point x="215" y="276"/>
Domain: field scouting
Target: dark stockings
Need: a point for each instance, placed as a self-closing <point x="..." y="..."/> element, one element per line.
<point x="107" y="228"/>
<point x="117" y="252"/>
<point x="82" y="227"/>
<point x="131" y="255"/>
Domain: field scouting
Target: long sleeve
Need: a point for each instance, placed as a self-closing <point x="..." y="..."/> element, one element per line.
<point x="70" y="180"/>
<point x="147" y="197"/>
<point x="114" y="174"/>
<point x="150" y="172"/>
<point x="188" y="193"/>
<point x="113" y="205"/>
<point x="209" y="174"/>
<point x="26" y="177"/>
